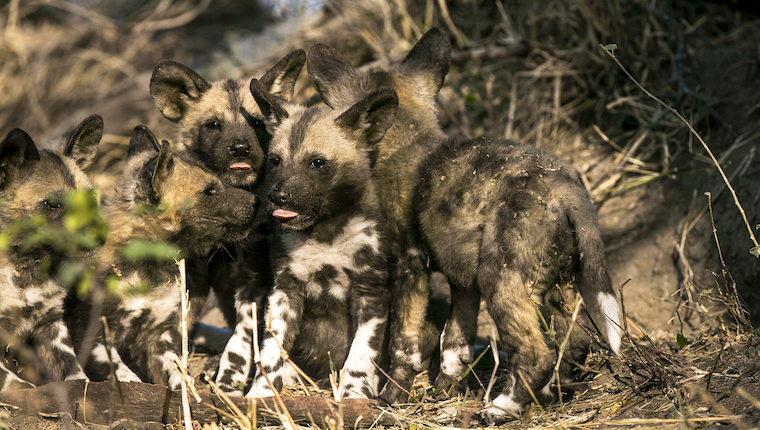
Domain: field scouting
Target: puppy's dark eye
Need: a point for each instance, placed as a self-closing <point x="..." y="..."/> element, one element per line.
<point x="52" y="203"/>
<point x="257" y="123"/>
<point x="274" y="160"/>
<point x="211" y="190"/>
<point x="213" y="125"/>
<point x="316" y="163"/>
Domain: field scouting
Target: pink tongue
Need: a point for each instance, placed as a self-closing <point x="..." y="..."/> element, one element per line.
<point x="283" y="214"/>
<point x="240" y="166"/>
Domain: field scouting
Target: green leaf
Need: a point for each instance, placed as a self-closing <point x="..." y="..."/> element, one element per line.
<point x="140" y="249"/>
<point x="755" y="251"/>
<point x="681" y="340"/>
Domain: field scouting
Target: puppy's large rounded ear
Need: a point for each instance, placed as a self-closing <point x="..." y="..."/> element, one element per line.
<point x="156" y="168"/>
<point x="281" y="79"/>
<point x="371" y="117"/>
<point x="174" y="87"/>
<point x="16" y="150"/>
<point x="82" y="144"/>
<point x="333" y="76"/>
<point x="428" y="62"/>
<point x="142" y="140"/>
<point x="162" y="170"/>
<point x="270" y="106"/>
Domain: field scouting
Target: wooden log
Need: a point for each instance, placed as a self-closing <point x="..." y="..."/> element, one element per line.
<point x="100" y="403"/>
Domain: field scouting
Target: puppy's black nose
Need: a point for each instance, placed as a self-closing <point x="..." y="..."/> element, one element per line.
<point x="240" y="148"/>
<point x="278" y="197"/>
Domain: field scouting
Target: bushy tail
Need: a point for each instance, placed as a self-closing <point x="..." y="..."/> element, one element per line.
<point x="594" y="284"/>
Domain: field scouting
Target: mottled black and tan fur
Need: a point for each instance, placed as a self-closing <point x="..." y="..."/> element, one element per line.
<point x="162" y="197"/>
<point x="330" y="299"/>
<point x="503" y="221"/>
<point x="222" y="126"/>
<point x="33" y="183"/>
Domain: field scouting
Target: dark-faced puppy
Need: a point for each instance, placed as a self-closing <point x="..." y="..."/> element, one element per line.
<point x="162" y="198"/>
<point x="219" y="121"/>
<point x="330" y="297"/>
<point x="504" y="221"/>
<point x="414" y="134"/>
<point x="34" y="183"/>
<point x="221" y="125"/>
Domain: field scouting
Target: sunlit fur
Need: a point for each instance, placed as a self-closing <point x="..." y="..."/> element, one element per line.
<point x="163" y="198"/>
<point x="221" y="125"/>
<point x="33" y="183"/>
<point x="330" y="299"/>
<point x="503" y="221"/>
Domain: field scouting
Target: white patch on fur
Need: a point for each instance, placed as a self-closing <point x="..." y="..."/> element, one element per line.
<point x="279" y="308"/>
<point x="169" y="364"/>
<point x="59" y="343"/>
<point x="123" y="372"/>
<point x="238" y="345"/>
<point x="309" y="256"/>
<point x="362" y="358"/>
<point x="270" y="352"/>
<point x="416" y="359"/>
<point x="10" y="378"/>
<point x="504" y="403"/>
<point x="547" y="390"/>
<point x="451" y="363"/>
<point x="609" y="305"/>
<point x="260" y="387"/>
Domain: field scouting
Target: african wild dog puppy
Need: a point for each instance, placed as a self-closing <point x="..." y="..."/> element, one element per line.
<point x="413" y="135"/>
<point x="33" y="183"/>
<point x="330" y="299"/>
<point x="222" y="126"/>
<point x="501" y="220"/>
<point x="162" y="197"/>
<point x="219" y="122"/>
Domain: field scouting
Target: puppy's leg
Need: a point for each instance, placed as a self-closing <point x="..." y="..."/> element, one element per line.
<point x="10" y="381"/>
<point x="361" y="377"/>
<point x="457" y="339"/>
<point x="100" y="363"/>
<point x="235" y="364"/>
<point x="410" y="294"/>
<point x="158" y="350"/>
<point x="522" y="336"/>
<point x="283" y="323"/>
<point x="56" y="350"/>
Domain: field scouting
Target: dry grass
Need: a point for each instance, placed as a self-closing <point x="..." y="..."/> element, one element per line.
<point x="529" y="71"/>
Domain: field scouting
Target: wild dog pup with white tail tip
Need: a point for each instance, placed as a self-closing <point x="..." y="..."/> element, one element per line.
<point x="33" y="184"/>
<point x="503" y="221"/>
<point x="330" y="299"/>
<point x="162" y="199"/>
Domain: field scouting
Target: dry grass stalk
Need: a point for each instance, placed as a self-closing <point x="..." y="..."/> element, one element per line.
<point x="182" y="285"/>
